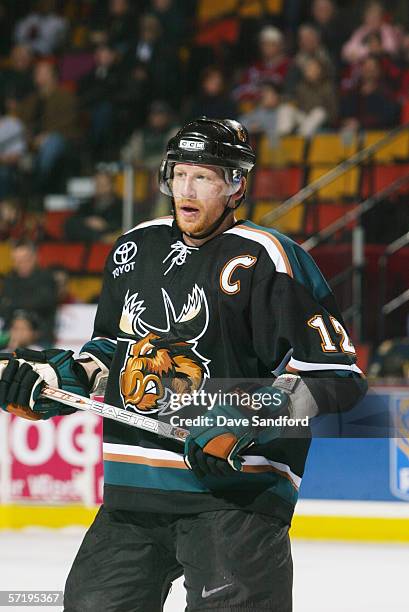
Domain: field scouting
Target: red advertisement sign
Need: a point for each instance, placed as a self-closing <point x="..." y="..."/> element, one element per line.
<point x="55" y="461"/>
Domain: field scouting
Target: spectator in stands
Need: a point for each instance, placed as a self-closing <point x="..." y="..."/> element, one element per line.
<point x="149" y="34"/>
<point x="291" y="15"/>
<point x="391" y="360"/>
<point x="213" y="99"/>
<point x="272" y="66"/>
<point x="42" y="30"/>
<point x="314" y="106"/>
<point x="146" y="146"/>
<point x="404" y="63"/>
<point x="404" y="50"/>
<point x="12" y="147"/>
<point x="356" y="48"/>
<point x="315" y="103"/>
<point x="391" y="71"/>
<point x="29" y="287"/>
<point x="24" y="331"/>
<point x="133" y="100"/>
<point x="332" y="29"/>
<point x="270" y="116"/>
<point x="172" y="17"/>
<point x="99" y="219"/>
<point x="161" y="59"/>
<point x="115" y="28"/>
<point x="51" y="117"/>
<point x="370" y="105"/>
<point x="10" y="218"/>
<point x="309" y="47"/>
<point x="62" y="278"/>
<point x="17" y="80"/>
<point x="98" y="92"/>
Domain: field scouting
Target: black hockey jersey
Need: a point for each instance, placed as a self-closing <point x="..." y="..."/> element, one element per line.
<point x="247" y="304"/>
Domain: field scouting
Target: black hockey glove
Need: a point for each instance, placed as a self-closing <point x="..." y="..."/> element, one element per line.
<point x="217" y="448"/>
<point x="25" y="372"/>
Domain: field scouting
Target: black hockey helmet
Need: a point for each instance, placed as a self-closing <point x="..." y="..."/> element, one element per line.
<point x="214" y="142"/>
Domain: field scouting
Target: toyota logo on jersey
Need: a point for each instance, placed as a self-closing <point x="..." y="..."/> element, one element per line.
<point x="125" y="252"/>
<point x="123" y="256"/>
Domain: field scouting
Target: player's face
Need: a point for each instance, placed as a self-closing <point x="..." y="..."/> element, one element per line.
<point x="199" y="194"/>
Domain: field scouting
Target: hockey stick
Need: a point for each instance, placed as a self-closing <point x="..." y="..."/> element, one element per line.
<point x="107" y="411"/>
<point x="116" y="414"/>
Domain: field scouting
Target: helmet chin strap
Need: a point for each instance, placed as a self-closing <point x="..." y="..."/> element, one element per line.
<point x="227" y="210"/>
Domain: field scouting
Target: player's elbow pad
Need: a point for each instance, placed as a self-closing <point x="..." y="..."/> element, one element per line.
<point x="96" y="358"/>
<point x="302" y="402"/>
<point x="336" y="393"/>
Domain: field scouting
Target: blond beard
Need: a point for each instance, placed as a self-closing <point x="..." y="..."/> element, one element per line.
<point x="191" y="228"/>
<point x="205" y="221"/>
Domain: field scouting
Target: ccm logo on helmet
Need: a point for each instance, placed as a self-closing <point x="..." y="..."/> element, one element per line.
<point x="123" y="256"/>
<point x="191" y="144"/>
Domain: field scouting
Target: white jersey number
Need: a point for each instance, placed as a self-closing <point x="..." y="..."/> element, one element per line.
<point x="327" y="345"/>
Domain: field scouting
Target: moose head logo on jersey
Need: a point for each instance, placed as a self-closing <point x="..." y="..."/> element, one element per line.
<point x="165" y="360"/>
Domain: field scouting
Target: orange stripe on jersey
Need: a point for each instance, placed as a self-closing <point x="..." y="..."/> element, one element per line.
<point x="276" y="242"/>
<point x="145" y="461"/>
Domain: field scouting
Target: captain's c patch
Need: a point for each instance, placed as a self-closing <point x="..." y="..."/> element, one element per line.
<point x="227" y="283"/>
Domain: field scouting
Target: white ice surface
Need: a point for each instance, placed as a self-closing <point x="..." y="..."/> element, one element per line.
<point x="328" y="576"/>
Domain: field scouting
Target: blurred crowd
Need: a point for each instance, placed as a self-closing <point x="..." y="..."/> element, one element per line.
<point x="28" y="300"/>
<point x="85" y="82"/>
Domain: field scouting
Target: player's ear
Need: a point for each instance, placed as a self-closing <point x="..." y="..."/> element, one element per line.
<point x="239" y="194"/>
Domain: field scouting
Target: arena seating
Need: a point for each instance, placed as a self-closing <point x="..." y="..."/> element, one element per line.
<point x="380" y="176"/>
<point x="85" y="288"/>
<point x="70" y="256"/>
<point x="396" y="150"/>
<point x="209" y="10"/>
<point x="280" y="172"/>
<point x="5" y="258"/>
<point x="96" y="257"/>
<point x="279" y="183"/>
<point x="54" y="223"/>
<point x="142" y="184"/>
<point x="321" y="214"/>
<point x="331" y="148"/>
<point x="289" y="151"/>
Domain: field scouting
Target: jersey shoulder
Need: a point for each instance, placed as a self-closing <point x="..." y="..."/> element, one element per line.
<point x="153" y="224"/>
<point x="125" y="248"/>
<point x="288" y="257"/>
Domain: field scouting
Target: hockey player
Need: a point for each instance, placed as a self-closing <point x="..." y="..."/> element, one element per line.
<point x="188" y="300"/>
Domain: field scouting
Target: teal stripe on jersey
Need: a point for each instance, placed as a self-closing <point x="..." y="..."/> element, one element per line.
<point x="304" y="267"/>
<point x="285" y="490"/>
<point x="147" y="477"/>
<point x="172" y="479"/>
